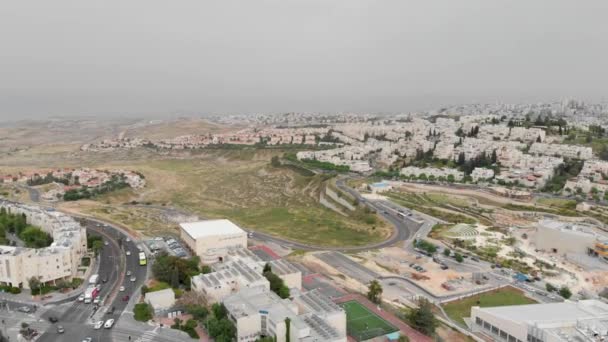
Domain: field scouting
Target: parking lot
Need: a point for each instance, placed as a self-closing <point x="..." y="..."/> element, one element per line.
<point x="169" y="244"/>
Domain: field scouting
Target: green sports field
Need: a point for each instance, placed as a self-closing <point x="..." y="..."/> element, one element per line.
<point x="362" y="324"/>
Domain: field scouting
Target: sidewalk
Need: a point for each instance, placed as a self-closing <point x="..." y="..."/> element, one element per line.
<point x="56" y="297"/>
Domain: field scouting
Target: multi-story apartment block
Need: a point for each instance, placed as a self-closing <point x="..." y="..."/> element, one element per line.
<point x="59" y="261"/>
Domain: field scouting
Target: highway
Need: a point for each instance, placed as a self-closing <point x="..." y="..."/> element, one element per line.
<point x="76" y="317"/>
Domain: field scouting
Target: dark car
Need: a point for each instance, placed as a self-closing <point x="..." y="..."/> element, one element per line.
<point x="53" y="319"/>
<point x="125" y="298"/>
<point x="111" y="311"/>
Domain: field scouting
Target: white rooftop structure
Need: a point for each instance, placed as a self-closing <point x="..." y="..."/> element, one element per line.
<point x="211" y="240"/>
<point x="207" y="228"/>
<point x="585" y="320"/>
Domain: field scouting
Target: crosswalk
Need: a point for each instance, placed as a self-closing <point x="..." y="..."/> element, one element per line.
<point x="122" y="334"/>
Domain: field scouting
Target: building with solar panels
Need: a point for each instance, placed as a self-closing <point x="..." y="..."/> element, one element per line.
<point x="258" y="312"/>
<point x="232" y="278"/>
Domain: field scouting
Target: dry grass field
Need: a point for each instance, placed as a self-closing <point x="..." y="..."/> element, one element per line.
<point x="238" y="184"/>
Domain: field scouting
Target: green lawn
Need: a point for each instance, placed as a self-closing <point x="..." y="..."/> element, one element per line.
<point x="458" y="309"/>
<point x="362" y="324"/>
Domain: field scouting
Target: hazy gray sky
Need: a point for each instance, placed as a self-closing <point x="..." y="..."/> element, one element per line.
<point x="136" y="57"/>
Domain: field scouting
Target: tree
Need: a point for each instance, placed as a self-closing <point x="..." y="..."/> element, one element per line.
<point x="277" y="285"/>
<point x="287" y="329"/>
<point x="550" y="287"/>
<point x="422" y="318"/>
<point x="97" y="247"/>
<point x="447" y="252"/>
<point x="219" y="311"/>
<point x="374" y="292"/>
<point x="404" y="338"/>
<point x="34" y="237"/>
<point x="34" y="284"/>
<point x="565" y="292"/>
<point x="143" y="312"/>
<point x="198" y="312"/>
<point x="206" y="269"/>
<point x="267" y="268"/>
<point x="458" y="257"/>
<point x="175" y="278"/>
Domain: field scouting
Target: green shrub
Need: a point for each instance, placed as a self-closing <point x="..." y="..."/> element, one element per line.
<point x="143" y="312"/>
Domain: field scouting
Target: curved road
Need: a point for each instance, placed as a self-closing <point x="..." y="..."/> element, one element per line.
<point x="114" y="263"/>
<point x="402" y="231"/>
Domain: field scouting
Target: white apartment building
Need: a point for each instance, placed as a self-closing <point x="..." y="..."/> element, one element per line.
<point x="482" y="174"/>
<point x="594" y="170"/>
<point x="258" y="312"/>
<point x="562" y="150"/>
<point x="212" y="239"/>
<point x="431" y="171"/>
<point x="586" y="185"/>
<point x="583" y="321"/>
<point x="527" y="134"/>
<point x="59" y="261"/>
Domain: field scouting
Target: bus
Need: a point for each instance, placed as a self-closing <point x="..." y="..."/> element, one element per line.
<point x="142" y="259"/>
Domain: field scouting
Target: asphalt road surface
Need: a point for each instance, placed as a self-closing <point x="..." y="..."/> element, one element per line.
<point x="114" y="263"/>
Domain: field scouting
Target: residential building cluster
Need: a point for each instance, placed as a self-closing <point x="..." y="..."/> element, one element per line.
<point x="593" y="178"/>
<point x="73" y="178"/>
<point x="562" y="150"/>
<point x="59" y="261"/>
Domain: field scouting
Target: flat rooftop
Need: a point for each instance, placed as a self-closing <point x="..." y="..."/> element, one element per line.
<point x="551" y="312"/>
<point x="207" y="228"/>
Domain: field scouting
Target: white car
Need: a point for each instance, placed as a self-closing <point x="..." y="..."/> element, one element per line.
<point x="128" y="252"/>
<point x="88" y="339"/>
<point x="106" y="243"/>
<point x="81" y="298"/>
<point x="128" y="273"/>
<point x="97" y="300"/>
<point x="133" y="279"/>
<point x="109" y="323"/>
<point x="122" y="289"/>
<point x="98" y="325"/>
<point x="128" y="240"/>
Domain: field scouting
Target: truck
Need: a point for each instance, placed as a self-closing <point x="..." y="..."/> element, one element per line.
<point x="94" y="279"/>
<point x="90" y="294"/>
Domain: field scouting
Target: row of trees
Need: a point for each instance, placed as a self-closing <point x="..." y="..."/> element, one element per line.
<point x="276" y="283"/>
<point x="116" y="182"/>
<point x="49" y="178"/>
